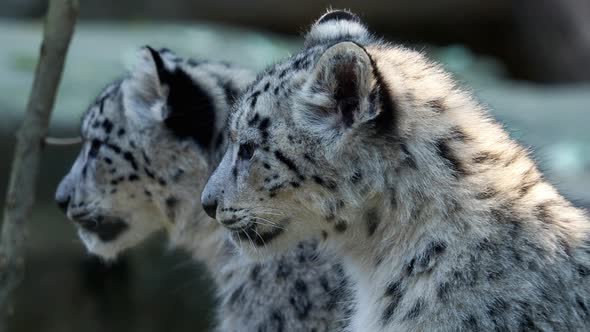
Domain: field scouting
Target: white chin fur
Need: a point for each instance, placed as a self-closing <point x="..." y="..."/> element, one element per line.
<point x="94" y="245"/>
<point x="129" y="238"/>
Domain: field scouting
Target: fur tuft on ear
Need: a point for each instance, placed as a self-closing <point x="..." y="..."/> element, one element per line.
<point x="335" y="26"/>
<point x="144" y="95"/>
<point x="339" y="93"/>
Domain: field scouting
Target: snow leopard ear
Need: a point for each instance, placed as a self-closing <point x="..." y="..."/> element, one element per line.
<point x="161" y="89"/>
<point x="334" y="26"/>
<point x="341" y="91"/>
<point x="144" y="94"/>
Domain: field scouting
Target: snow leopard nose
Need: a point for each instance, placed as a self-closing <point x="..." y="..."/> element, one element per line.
<point x="63" y="194"/>
<point x="63" y="202"/>
<point x="210" y="206"/>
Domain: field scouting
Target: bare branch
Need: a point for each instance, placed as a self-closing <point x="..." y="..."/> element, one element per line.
<point x="58" y="30"/>
<point x="63" y="141"/>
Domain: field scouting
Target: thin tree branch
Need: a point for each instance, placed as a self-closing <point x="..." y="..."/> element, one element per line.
<point x="63" y="141"/>
<point x="58" y="30"/>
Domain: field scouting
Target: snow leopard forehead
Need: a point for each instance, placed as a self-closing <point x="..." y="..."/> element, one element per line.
<point x="274" y="87"/>
<point x="98" y="118"/>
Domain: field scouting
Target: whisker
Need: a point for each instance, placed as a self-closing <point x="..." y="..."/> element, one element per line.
<point x="267" y="209"/>
<point x="266" y="220"/>
<point x="261" y="238"/>
<point x="270" y="225"/>
<point x="239" y="240"/>
<point x="249" y="238"/>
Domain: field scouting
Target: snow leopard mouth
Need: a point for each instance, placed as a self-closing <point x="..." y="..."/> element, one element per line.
<point x="107" y="228"/>
<point x="255" y="233"/>
<point x="254" y="236"/>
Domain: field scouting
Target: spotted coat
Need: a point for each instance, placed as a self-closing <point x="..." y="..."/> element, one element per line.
<point x="443" y="222"/>
<point x="150" y="141"/>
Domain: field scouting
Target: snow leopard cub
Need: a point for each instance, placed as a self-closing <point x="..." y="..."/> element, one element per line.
<point x="150" y="141"/>
<point x="444" y="223"/>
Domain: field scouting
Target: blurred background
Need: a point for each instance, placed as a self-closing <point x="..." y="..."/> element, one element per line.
<point x="529" y="60"/>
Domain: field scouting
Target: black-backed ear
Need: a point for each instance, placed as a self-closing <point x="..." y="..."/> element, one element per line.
<point x="161" y="69"/>
<point x="144" y="95"/>
<point x="340" y="91"/>
<point x="160" y="89"/>
<point x="335" y="26"/>
<point x="190" y="105"/>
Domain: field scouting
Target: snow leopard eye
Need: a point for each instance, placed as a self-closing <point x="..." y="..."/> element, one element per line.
<point x="246" y="151"/>
<point x="94" y="147"/>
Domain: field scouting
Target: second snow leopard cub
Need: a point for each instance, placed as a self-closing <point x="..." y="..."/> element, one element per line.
<point x="444" y="222"/>
<point x="150" y="141"/>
